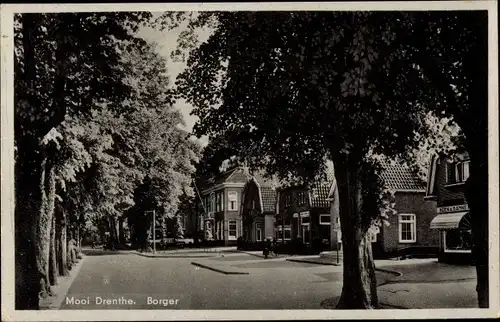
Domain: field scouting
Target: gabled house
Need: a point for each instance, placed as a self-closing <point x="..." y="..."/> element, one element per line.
<point x="220" y="219"/>
<point x="303" y="214"/>
<point x="408" y="232"/>
<point x="446" y="184"/>
<point x="258" y="208"/>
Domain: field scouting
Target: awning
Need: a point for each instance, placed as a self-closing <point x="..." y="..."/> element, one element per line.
<point x="451" y="221"/>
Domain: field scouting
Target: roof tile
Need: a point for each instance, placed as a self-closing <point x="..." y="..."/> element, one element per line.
<point x="399" y="177"/>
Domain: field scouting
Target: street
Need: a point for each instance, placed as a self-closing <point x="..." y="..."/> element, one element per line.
<point x="122" y="280"/>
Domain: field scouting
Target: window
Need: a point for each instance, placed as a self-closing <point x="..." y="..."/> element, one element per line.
<point x="287" y="230"/>
<point x="288" y="200"/>
<point x="221" y="200"/>
<point x="457" y="172"/>
<point x="217" y="204"/>
<point x="457" y="240"/>
<point x="232" y="197"/>
<point x="301" y="198"/>
<point x="324" y="219"/>
<point x="232" y="230"/>
<point x="407" y="228"/>
<point x="462" y="171"/>
<point x="258" y="229"/>
<point x="304" y="218"/>
<point x="212" y="202"/>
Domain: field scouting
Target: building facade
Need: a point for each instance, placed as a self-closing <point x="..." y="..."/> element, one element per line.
<point x="220" y="219"/>
<point x="408" y="232"/>
<point x="446" y="184"/>
<point x="303" y="214"/>
<point x="258" y="209"/>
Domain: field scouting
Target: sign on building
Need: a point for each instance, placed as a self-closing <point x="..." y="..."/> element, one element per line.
<point x="454" y="208"/>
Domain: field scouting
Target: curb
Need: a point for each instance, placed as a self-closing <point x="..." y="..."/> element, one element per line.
<point x="172" y="256"/>
<point x="219" y="270"/>
<point x="57" y="300"/>
<point x="298" y="260"/>
<point x="388" y="271"/>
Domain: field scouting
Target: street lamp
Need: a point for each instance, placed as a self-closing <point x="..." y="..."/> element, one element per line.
<point x="154" y="228"/>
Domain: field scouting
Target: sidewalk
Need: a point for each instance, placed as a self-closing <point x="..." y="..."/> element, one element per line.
<point x="61" y="288"/>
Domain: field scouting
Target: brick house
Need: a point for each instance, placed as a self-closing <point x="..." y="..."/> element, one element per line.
<point x="258" y="208"/>
<point x="446" y="183"/>
<point x="408" y="232"/>
<point x="220" y="219"/>
<point x="303" y="213"/>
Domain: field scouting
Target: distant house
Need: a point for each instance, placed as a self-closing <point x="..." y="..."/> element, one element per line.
<point x="303" y="214"/>
<point x="408" y="232"/>
<point x="258" y="209"/>
<point x="220" y="219"/>
<point x="446" y="184"/>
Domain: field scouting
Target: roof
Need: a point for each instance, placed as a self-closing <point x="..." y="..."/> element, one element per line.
<point x="236" y="175"/>
<point x="319" y="194"/>
<point x="268" y="199"/>
<point x="399" y="177"/>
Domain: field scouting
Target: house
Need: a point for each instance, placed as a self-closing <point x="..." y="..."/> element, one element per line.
<point x="258" y="208"/>
<point x="303" y="214"/>
<point x="445" y="187"/>
<point x="220" y="219"/>
<point x="408" y="231"/>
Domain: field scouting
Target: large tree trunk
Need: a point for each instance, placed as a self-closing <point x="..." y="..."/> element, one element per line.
<point x="52" y="256"/>
<point x="44" y="223"/>
<point x="476" y="193"/>
<point x="359" y="290"/>
<point x="61" y="241"/>
<point x="26" y="211"/>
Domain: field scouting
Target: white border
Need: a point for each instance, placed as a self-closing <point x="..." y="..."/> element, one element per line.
<point x="7" y="198"/>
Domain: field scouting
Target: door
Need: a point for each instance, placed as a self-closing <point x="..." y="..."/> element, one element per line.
<point x="306" y="234"/>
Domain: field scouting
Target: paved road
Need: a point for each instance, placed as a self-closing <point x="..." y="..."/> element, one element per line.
<point x="129" y="280"/>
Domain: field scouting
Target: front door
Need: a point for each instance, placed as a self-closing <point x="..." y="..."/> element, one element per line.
<point x="306" y="234"/>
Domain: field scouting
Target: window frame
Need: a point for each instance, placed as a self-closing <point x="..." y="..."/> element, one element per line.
<point x="229" y="237"/>
<point x="231" y="200"/>
<point x="329" y="223"/>
<point x="413" y="225"/>
<point x="280" y="229"/>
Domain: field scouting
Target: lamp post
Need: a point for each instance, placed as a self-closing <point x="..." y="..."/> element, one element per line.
<point x="154" y="229"/>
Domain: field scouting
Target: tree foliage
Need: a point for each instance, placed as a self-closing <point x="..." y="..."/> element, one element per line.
<point x="288" y="89"/>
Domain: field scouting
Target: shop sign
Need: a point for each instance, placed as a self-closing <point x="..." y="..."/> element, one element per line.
<point x="304" y="214"/>
<point x="295" y="215"/>
<point x="454" y="208"/>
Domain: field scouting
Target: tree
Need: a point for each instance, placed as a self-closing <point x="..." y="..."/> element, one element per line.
<point x="452" y="50"/>
<point x="288" y="89"/>
<point x="59" y="71"/>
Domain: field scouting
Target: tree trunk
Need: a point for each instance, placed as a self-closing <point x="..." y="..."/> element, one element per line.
<point x="61" y="241"/>
<point x="476" y="193"/>
<point x="121" y="233"/>
<point x="359" y="290"/>
<point x="44" y="223"/>
<point x="27" y="204"/>
<point x="52" y="256"/>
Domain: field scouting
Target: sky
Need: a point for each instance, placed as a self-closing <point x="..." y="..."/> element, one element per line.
<point x="167" y="41"/>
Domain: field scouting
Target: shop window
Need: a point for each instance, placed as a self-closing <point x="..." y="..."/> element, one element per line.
<point x="324" y="219"/>
<point x="232" y="197"/>
<point x="232" y="230"/>
<point x="407" y="228"/>
<point x="456" y="240"/>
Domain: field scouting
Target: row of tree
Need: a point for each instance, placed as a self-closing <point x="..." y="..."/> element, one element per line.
<point x="96" y="138"/>
<point x="285" y="90"/>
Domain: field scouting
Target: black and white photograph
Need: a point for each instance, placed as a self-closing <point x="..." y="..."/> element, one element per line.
<point x="195" y="161"/>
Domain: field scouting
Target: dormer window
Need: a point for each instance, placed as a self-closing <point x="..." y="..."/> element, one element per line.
<point x="457" y="172"/>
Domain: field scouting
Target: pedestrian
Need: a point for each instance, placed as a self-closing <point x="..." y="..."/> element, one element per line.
<point x="275" y="247"/>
